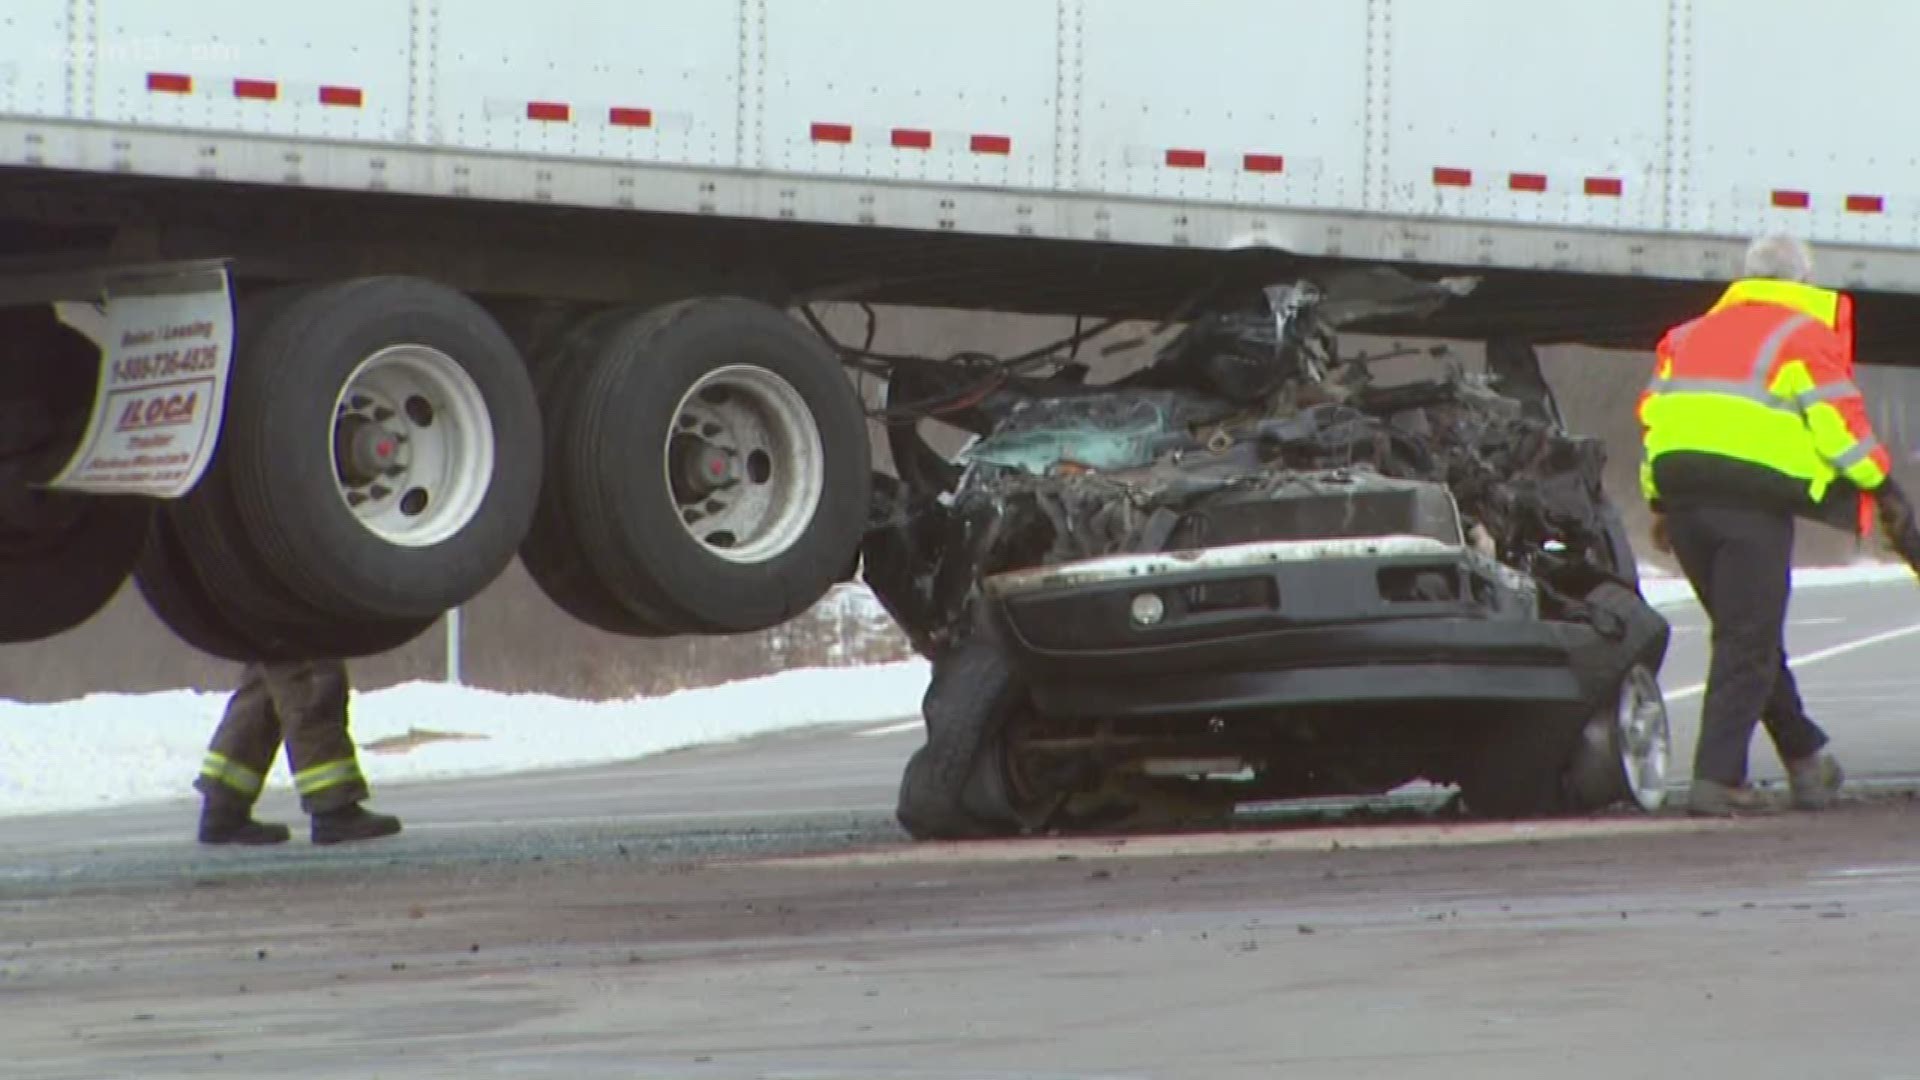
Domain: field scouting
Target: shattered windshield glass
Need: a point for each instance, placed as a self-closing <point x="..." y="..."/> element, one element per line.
<point x="1249" y="425"/>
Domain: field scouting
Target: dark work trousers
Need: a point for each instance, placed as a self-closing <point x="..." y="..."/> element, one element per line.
<point x="304" y="706"/>
<point x="1740" y="563"/>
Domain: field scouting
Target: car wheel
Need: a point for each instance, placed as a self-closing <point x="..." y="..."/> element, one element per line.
<point x="723" y="466"/>
<point x="1624" y="748"/>
<point x="384" y="447"/>
<point x="962" y="784"/>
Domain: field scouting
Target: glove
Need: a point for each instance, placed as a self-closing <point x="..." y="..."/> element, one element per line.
<point x="1897" y="523"/>
<point x="1661" y="541"/>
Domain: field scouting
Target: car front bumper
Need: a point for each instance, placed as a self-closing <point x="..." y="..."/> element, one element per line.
<point x="1289" y="624"/>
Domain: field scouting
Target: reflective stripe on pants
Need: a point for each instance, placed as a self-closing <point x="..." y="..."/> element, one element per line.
<point x="221" y="769"/>
<point x="332" y="774"/>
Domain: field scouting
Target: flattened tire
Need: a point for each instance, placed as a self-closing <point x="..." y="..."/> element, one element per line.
<point x="966" y="704"/>
<point x="56" y="575"/>
<point x="747" y="388"/>
<point x="411" y="355"/>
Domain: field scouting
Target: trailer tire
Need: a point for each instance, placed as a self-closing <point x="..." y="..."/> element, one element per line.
<point x="551" y="551"/>
<point x="380" y="362"/>
<point x="734" y="394"/>
<point x="166" y="578"/>
<point x="64" y="567"/>
<point x="174" y="585"/>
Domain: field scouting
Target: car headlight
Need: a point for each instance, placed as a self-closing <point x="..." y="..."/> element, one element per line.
<point x="1148" y="609"/>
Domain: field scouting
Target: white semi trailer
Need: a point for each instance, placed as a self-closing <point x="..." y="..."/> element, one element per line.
<point x="313" y="316"/>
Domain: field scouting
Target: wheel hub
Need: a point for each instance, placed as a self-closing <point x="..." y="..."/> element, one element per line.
<point x="701" y="468"/>
<point x="745" y="464"/>
<point x="412" y="445"/>
<point x="366" y="450"/>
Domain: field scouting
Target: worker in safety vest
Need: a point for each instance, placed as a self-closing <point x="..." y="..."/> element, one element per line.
<point x="303" y="705"/>
<point x="1752" y="419"/>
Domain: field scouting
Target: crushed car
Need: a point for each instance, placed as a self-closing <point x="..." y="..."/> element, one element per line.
<point x="1251" y="571"/>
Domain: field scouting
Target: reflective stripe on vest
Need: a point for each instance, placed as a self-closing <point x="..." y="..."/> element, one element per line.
<point x="1755" y="387"/>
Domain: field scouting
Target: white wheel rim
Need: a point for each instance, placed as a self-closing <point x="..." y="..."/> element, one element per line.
<point x="413" y="446"/>
<point x="1646" y="741"/>
<point x="744" y="463"/>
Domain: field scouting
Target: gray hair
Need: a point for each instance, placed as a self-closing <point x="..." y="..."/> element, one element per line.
<point x="1779" y="256"/>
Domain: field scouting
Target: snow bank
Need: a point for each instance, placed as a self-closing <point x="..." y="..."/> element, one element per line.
<point x="112" y="749"/>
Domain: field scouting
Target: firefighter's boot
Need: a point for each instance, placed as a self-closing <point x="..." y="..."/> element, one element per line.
<point x="350" y="823"/>
<point x="224" y="823"/>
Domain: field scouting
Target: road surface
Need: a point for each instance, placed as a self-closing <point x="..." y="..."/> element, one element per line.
<point x="750" y="911"/>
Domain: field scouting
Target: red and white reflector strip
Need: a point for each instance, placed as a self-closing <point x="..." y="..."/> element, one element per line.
<point x="254" y="89"/>
<point x="1213" y="159"/>
<point x="1793" y="199"/>
<point x="905" y="138"/>
<point x="1532" y="183"/>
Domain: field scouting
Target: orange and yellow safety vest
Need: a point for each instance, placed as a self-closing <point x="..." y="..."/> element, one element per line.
<point x="1762" y="382"/>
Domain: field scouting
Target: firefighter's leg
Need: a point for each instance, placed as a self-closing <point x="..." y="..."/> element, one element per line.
<point x="236" y="763"/>
<point x="312" y="701"/>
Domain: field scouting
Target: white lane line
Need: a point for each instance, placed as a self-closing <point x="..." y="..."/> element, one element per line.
<point x="891" y="729"/>
<point x="1812" y="658"/>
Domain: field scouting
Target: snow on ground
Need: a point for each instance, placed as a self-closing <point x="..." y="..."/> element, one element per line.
<point x="114" y="749"/>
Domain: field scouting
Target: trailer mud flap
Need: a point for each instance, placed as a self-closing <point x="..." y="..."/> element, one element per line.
<point x="165" y="336"/>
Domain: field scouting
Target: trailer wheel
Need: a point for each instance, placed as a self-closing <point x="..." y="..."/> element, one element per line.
<point x="207" y="619"/>
<point x="166" y="579"/>
<point x="551" y="551"/>
<point x="384" y="445"/>
<point x="63" y="558"/>
<point x="723" y="466"/>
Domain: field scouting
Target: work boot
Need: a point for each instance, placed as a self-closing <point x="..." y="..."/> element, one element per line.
<point x="1815" y="781"/>
<point x="351" y="823"/>
<point x="235" y="825"/>
<point x="1710" y="798"/>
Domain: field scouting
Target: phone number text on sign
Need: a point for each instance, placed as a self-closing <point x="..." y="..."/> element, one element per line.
<point x="163" y="381"/>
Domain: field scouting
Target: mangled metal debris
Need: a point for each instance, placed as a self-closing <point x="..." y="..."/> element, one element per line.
<point x="1251" y="547"/>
